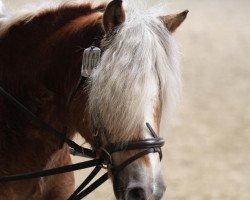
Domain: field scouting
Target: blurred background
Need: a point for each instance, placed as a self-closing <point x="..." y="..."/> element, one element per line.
<point x="207" y="154"/>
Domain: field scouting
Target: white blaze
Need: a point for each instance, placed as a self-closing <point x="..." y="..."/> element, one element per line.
<point x="150" y="113"/>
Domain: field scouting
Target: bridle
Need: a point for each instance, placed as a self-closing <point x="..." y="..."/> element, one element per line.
<point x="150" y="145"/>
<point x="102" y="159"/>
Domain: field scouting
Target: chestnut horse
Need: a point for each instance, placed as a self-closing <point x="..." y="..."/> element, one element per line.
<point x="136" y="81"/>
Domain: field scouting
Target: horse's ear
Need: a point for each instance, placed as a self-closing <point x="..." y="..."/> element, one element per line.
<point x="114" y="15"/>
<point x="173" y="21"/>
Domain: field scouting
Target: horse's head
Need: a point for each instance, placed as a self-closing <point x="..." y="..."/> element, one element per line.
<point x="137" y="81"/>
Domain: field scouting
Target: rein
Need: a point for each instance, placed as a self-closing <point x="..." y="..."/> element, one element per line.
<point x="104" y="160"/>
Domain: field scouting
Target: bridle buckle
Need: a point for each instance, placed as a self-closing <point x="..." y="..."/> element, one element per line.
<point x="106" y="158"/>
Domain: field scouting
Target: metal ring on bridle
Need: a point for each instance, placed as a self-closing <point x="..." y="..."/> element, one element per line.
<point x="107" y="159"/>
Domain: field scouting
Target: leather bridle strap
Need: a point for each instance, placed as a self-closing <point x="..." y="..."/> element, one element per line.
<point x="61" y="135"/>
<point x="114" y="170"/>
<point x="91" y="188"/>
<point x="150" y="145"/>
<point x="49" y="172"/>
<point x="90" y="177"/>
<point x="119" y="168"/>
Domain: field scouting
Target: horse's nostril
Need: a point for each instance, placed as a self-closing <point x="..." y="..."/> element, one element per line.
<point x="136" y="194"/>
<point x="160" y="192"/>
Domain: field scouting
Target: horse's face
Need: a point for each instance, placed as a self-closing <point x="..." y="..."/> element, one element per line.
<point x="129" y="88"/>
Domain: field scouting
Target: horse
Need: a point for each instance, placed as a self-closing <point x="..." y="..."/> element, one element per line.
<point x="137" y="80"/>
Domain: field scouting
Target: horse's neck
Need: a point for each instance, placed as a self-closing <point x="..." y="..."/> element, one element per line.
<point x="46" y="68"/>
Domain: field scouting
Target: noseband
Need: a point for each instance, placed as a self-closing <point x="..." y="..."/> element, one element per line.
<point x="101" y="157"/>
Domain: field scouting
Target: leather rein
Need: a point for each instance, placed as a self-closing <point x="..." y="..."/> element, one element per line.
<point x="99" y="161"/>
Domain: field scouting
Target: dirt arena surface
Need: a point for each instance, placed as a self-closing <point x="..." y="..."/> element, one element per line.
<point x="206" y="156"/>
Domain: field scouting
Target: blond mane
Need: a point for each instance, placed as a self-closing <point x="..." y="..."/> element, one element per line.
<point x="141" y="53"/>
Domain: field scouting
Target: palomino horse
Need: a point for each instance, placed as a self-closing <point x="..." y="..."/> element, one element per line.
<point x="136" y="81"/>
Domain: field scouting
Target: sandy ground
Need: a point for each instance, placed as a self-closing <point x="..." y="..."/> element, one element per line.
<point x="207" y="151"/>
